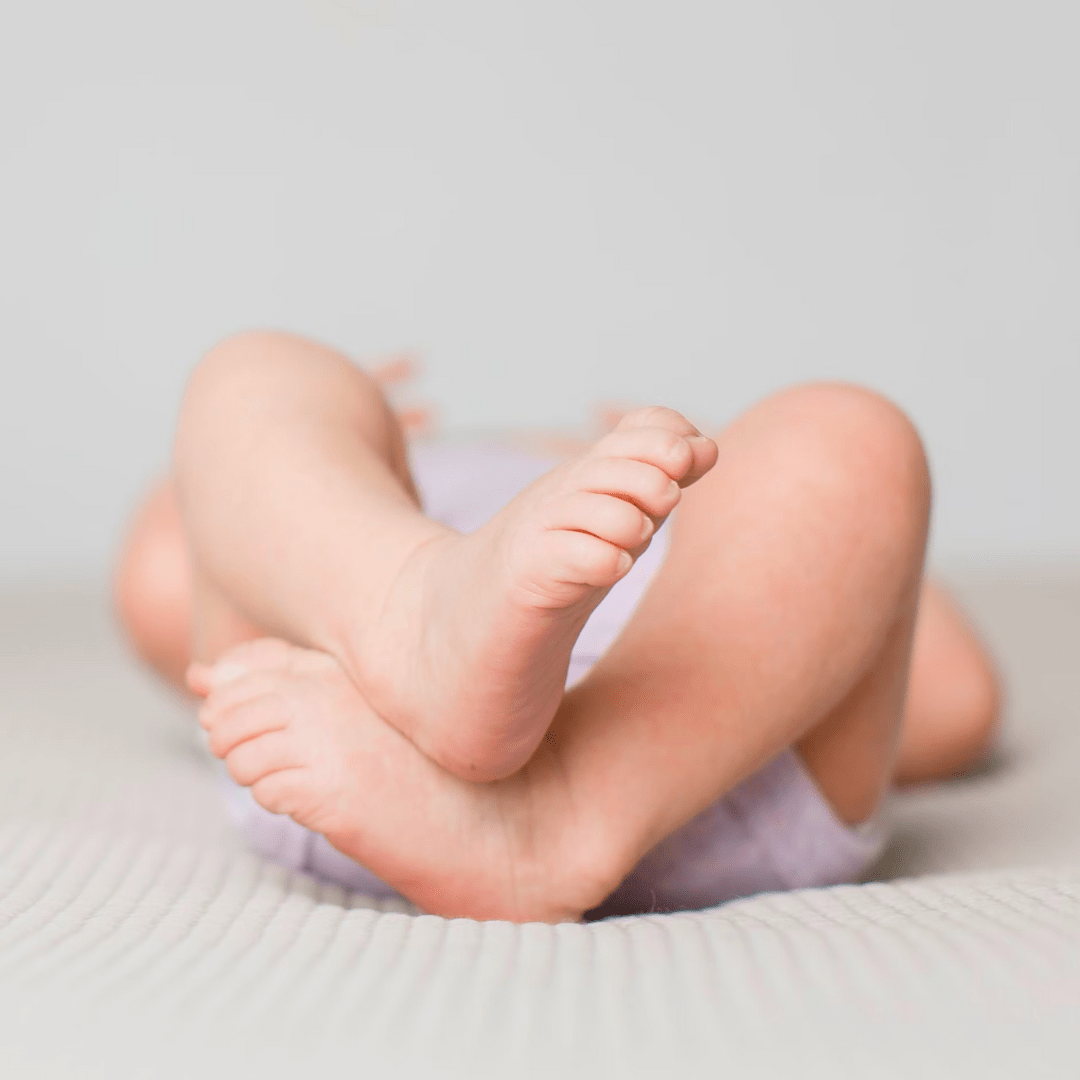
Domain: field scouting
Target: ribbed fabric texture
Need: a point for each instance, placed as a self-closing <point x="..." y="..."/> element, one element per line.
<point x="139" y="939"/>
<point x="136" y="956"/>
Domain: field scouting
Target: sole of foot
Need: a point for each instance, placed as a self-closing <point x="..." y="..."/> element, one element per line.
<point x="291" y="725"/>
<point x="468" y="652"/>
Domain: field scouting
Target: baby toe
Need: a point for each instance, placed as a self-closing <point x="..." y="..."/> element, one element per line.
<point x="263" y="654"/>
<point x="649" y="488"/>
<point x="221" y="701"/>
<point x="657" y="416"/>
<point x="247" y="720"/>
<point x="255" y="758"/>
<point x="656" y="446"/>
<point x="606" y="517"/>
<point x="284" y="791"/>
<point x="574" y="559"/>
<point x="668" y="440"/>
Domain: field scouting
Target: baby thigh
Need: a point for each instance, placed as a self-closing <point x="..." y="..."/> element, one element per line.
<point x="295" y="492"/>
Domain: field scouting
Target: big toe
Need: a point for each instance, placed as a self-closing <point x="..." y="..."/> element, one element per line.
<point x="689" y="454"/>
<point x="263" y="654"/>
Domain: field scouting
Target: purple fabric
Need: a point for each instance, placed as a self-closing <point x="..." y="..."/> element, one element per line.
<point x="773" y="831"/>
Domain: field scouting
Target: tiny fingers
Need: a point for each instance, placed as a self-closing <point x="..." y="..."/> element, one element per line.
<point x="397" y="369"/>
<point x="609" y="415"/>
<point x="417" y="420"/>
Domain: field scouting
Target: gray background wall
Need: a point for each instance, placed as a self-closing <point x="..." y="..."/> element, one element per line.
<point x="688" y="203"/>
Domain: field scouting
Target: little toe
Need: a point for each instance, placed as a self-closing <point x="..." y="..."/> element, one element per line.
<point x="262" y="654"/>
<point x="205" y="680"/>
<point x="657" y="416"/>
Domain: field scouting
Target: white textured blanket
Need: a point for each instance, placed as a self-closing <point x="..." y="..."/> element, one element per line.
<point x="138" y="938"/>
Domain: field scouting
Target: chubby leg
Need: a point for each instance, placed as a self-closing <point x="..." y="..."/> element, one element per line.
<point x="952" y="713"/>
<point x="302" y="518"/>
<point x="953" y="703"/>
<point x="954" y="696"/>
<point x="152" y="584"/>
<point x="783" y="615"/>
<point x="292" y="482"/>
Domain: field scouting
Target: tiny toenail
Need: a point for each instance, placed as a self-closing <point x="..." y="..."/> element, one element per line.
<point x="226" y="672"/>
<point x="625" y="562"/>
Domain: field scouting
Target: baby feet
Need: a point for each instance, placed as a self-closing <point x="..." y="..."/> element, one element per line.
<point x="291" y="725"/>
<point x="468" y="655"/>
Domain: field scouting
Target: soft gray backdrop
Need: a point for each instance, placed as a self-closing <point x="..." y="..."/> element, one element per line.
<point x="683" y="202"/>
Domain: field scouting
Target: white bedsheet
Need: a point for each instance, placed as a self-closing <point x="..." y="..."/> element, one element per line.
<point x="138" y="938"/>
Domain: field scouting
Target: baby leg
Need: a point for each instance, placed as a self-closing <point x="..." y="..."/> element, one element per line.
<point x="782" y="616"/>
<point x="152" y="585"/>
<point x="302" y="520"/>
<point x="153" y="579"/>
<point x="952" y="713"/>
<point x="954" y="699"/>
<point x="291" y="476"/>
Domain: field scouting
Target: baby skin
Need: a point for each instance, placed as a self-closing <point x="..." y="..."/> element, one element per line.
<point x="398" y="687"/>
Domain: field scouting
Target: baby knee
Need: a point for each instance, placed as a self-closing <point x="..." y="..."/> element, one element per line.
<point x="234" y="360"/>
<point x="870" y="445"/>
<point x="250" y="376"/>
<point x="975" y="703"/>
<point x="152" y="589"/>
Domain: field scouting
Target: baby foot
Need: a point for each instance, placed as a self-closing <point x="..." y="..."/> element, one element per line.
<point x="469" y="654"/>
<point x="291" y="725"/>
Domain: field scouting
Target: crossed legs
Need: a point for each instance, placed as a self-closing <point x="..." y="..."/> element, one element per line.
<point x="783" y="615"/>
